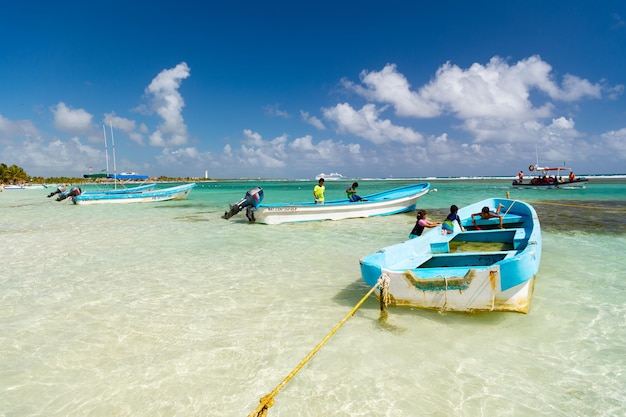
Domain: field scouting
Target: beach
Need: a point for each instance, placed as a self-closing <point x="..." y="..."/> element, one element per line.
<point x="167" y="309"/>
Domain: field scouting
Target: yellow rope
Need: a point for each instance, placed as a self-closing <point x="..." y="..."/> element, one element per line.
<point x="268" y="400"/>
<point x="573" y="205"/>
<point x="385" y="297"/>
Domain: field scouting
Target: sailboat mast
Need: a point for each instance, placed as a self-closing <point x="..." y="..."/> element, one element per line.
<point x="106" y="151"/>
<point x="113" y="150"/>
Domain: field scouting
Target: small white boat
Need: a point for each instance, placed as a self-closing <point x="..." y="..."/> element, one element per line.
<point x="179" y="192"/>
<point x="484" y="268"/>
<point x="397" y="200"/>
<point x="35" y="186"/>
<point x="333" y="176"/>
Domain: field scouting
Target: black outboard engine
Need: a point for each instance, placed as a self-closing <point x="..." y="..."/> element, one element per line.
<point x="250" y="202"/>
<point x="72" y="193"/>
<point x="60" y="190"/>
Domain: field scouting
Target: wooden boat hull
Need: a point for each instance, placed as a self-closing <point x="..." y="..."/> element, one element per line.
<point x="398" y="200"/>
<point x="179" y="192"/>
<point x="490" y="269"/>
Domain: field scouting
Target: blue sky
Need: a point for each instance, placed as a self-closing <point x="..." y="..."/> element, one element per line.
<point x="287" y="89"/>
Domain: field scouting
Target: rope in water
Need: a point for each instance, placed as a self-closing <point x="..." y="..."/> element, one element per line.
<point x="571" y="205"/>
<point x="268" y="400"/>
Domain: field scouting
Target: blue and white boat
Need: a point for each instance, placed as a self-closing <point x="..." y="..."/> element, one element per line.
<point x="179" y="192"/>
<point x="484" y="268"/>
<point x="397" y="200"/>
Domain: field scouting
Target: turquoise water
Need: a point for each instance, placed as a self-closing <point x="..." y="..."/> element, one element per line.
<point x="168" y="310"/>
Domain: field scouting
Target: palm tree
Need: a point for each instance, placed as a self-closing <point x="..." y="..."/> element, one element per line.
<point x="12" y="174"/>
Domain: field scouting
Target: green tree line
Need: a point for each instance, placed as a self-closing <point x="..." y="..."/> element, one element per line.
<point x="12" y="174"/>
<point x="16" y="175"/>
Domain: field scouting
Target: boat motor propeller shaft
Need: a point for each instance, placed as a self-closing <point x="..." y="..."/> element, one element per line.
<point x="250" y="202"/>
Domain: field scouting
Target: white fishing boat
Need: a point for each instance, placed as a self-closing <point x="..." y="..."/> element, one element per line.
<point x="485" y="268"/>
<point x="333" y="176"/>
<point x="397" y="200"/>
<point x="550" y="177"/>
<point x="179" y="192"/>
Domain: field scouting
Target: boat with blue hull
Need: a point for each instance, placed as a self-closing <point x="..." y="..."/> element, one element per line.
<point x="385" y="203"/>
<point x="179" y="192"/>
<point x="484" y="268"/>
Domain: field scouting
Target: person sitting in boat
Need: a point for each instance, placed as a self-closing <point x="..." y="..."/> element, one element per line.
<point x="351" y="192"/>
<point x="485" y="214"/>
<point x="422" y="222"/>
<point x="447" y="226"/>
<point x="318" y="192"/>
<point x="572" y="177"/>
<point x="520" y="177"/>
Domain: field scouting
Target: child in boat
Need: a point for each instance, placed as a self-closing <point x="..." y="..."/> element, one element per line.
<point x="351" y="192"/>
<point x="485" y="213"/>
<point x="447" y="226"/>
<point x="422" y="222"/>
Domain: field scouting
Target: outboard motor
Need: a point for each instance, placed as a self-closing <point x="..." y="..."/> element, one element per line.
<point x="60" y="190"/>
<point x="72" y="193"/>
<point x="250" y="202"/>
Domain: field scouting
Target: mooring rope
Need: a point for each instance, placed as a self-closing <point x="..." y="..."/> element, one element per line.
<point x="574" y="205"/>
<point x="445" y="300"/>
<point x="385" y="297"/>
<point x="267" y="401"/>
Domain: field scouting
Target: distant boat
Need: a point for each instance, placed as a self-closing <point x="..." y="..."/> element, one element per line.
<point x="397" y="200"/>
<point x="545" y="177"/>
<point x="484" y="268"/>
<point x="557" y="177"/>
<point x="179" y="192"/>
<point x="333" y="176"/>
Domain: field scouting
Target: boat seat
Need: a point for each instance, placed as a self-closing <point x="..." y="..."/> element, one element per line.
<point x="520" y="239"/>
<point x="494" y="221"/>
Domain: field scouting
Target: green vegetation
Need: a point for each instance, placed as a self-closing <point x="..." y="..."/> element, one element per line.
<point x="16" y="175"/>
<point x="12" y="174"/>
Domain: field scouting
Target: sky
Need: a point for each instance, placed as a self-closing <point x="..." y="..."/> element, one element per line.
<point x="290" y="89"/>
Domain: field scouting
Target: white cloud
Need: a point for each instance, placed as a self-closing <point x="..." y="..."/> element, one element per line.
<point x="19" y="128"/>
<point x="494" y="90"/>
<point x="312" y="120"/>
<point x="615" y="141"/>
<point x="125" y="125"/>
<point x="168" y="103"/>
<point x="253" y="138"/>
<point x="367" y="124"/>
<point x="275" y="111"/>
<point x="389" y="86"/>
<point x="71" y="120"/>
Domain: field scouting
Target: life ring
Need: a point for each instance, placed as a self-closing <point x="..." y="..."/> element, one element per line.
<point x="531" y="167"/>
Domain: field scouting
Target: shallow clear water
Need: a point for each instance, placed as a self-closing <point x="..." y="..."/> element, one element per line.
<point x="168" y="310"/>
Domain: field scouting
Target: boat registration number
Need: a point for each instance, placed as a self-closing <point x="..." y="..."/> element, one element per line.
<point x="282" y="209"/>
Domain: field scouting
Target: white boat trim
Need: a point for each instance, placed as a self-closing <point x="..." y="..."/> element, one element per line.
<point x="398" y="200"/>
<point x="179" y="192"/>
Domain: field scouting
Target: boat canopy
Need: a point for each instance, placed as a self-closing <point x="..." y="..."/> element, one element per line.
<point x="132" y="176"/>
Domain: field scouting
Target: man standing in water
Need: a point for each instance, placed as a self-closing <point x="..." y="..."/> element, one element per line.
<point x="318" y="192"/>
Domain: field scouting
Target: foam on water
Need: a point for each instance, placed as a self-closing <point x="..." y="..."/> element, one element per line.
<point x="167" y="309"/>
